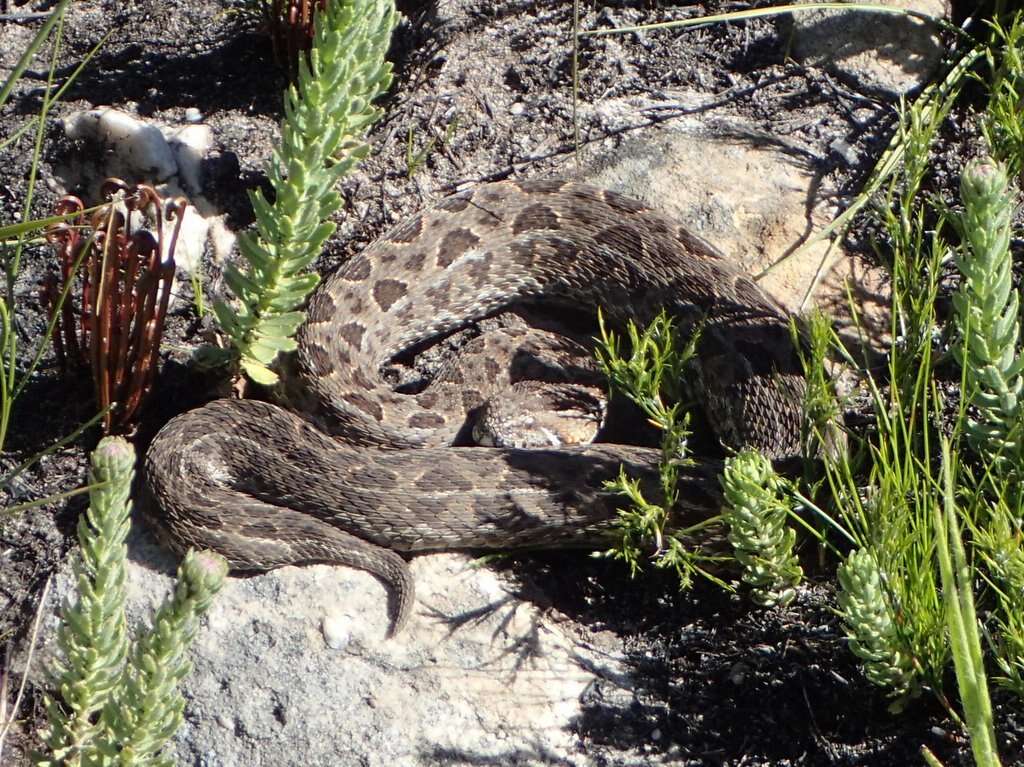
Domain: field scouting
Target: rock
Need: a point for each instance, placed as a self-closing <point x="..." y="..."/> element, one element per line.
<point x="761" y="205"/>
<point x="135" y="150"/>
<point x="881" y="53"/>
<point x="295" y="662"/>
<point x="168" y="157"/>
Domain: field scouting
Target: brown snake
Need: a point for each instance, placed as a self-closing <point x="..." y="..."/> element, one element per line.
<point x="265" y="488"/>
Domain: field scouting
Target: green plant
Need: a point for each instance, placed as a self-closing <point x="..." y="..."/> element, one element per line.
<point x="119" y="705"/>
<point x="414" y="158"/>
<point x="756" y="511"/>
<point x="987" y="316"/>
<point x="652" y="377"/>
<point x="13" y="237"/>
<point x="962" y="618"/>
<point x="1003" y="121"/>
<point x="926" y="529"/>
<point x="1000" y="548"/>
<point x="866" y="604"/>
<point x="327" y="110"/>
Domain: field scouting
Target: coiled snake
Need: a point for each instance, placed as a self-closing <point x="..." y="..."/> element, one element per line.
<point x="266" y="488"/>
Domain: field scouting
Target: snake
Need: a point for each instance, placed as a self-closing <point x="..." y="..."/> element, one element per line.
<point x="354" y="472"/>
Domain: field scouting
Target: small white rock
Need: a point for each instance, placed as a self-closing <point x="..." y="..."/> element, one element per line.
<point x="193" y="115"/>
<point x="337" y="630"/>
<point x="139" y="150"/>
<point x="517" y="109"/>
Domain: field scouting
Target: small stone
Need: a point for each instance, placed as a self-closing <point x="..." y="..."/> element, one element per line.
<point x="517" y="109"/>
<point x="846" y="152"/>
<point x="889" y="54"/>
<point x="193" y="115"/>
<point x="738" y="673"/>
<point x="137" y="149"/>
<point x="337" y="630"/>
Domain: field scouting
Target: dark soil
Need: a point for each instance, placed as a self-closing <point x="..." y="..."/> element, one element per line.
<point x="484" y="90"/>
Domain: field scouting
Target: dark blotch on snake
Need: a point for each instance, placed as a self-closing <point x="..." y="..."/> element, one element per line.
<point x="455" y="203"/>
<point x="414" y="261"/>
<point x="354" y="302"/>
<point x="386" y="292"/>
<point x="360" y="402"/>
<point x="619" y="238"/>
<point x="319" y="360"/>
<point x="523" y="252"/>
<point x="438" y="293"/>
<point x="407" y="231"/>
<point x="359" y="378"/>
<point x="322" y="308"/>
<point x="426" y="420"/>
<point x="352" y="332"/>
<point x="541" y="186"/>
<point x="356" y="270"/>
<point x="458" y="481"/>
<point x="534" y="217"/>
<point x="427" y="399"/>
<point x="588" y="215"/>
<point x="623" y="204"/>
<point x="480" y="270"/>
<point x="340" y="355"/>
<point x="455" y="244"/>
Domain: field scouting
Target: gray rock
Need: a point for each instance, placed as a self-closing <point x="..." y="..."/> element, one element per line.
<point x="292" y="668"/>
<point x="881" y="53"/>
<point x="758" y="200"/>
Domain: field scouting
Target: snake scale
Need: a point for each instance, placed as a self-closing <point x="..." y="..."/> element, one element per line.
<point x="266" y="488"/>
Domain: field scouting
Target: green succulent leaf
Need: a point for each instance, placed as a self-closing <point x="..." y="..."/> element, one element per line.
<point x="326" y="113"/>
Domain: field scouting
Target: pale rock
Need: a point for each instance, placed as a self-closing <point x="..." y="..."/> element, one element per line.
<point x="879" y="52"/>
<point x="757" y="203"/>
<point x="293" y="667"/>
<point x="137" y="150"/>
<point x="168" y="157"/>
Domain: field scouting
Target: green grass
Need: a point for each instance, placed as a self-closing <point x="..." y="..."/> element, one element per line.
<point x="932" y="499"/>
<point x="924" y="511"/>
<point x="15" y="370"/>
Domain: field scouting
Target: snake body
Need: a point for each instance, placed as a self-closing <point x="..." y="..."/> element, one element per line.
<point x="265" y="487"/>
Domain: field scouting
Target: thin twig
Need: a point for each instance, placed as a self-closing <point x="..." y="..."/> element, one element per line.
<point x="8" y="721"/>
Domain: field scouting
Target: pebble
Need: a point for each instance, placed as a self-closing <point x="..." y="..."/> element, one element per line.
<point x="337" y="631"/>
